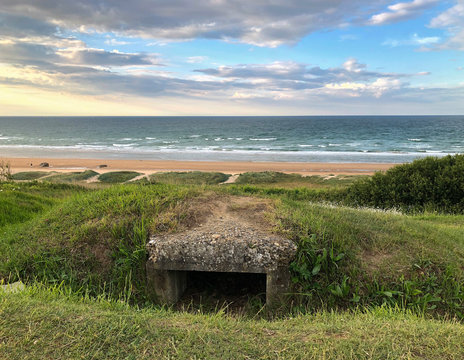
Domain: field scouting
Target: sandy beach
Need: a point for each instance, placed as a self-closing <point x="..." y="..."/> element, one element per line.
<point x="228" y="167"/>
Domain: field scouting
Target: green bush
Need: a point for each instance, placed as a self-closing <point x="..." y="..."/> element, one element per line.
<point x="117" y="176"/>
<point x="189" y="178"/>
<point x="29" y="175"/>
<point x="435" y="184"/>
<point x="72" y="177"/>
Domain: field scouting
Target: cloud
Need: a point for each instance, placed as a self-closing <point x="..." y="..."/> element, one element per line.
<point x="258" y="22"/>
<point x="104" y="58"/>
<point x="284" y="80"/>
<point x="35" y="54"/>
<point x="196" y="59"/>
<point x="116" y="42"/>
<point x="18" y="26"/>
<point x="453" y="21"/>
<point x="414" y="40"/>
<point x="295" y="75"/>
<point x="352" y="65"/>
<point x="401" y="11"/>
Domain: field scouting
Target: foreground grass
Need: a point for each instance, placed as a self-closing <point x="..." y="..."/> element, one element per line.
<point x="39" y="324"/>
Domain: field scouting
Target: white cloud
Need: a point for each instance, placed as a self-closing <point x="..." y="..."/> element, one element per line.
<point x="453" y="21"/>
<point x="355" y="89"/>
<point x="353" y="65"/>
<point x="196" y="59"/>
<point x="401" y="11"/>
<point x="116" y="42"/>
<point x="414" y="40"/>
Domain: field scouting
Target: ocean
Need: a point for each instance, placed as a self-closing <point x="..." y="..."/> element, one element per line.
<point x="338" y="139"/>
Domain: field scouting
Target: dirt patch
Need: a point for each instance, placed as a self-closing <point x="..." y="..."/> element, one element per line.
<point x="382" y="263"/>
<point x="232" y="179"/>
<point x="103" y="256"/>
<point x="245" y="211"/>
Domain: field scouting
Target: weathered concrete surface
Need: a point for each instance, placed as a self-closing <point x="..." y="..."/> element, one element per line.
<point x="225" y="243"/>
<point x="223" y="248"/>
<point x="13" y="287"/>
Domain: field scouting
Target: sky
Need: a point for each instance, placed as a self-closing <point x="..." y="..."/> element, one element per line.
<point x="231" y="57"/>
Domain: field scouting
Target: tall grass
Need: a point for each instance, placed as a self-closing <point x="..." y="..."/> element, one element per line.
<point x="189" y="178"/>
<point x="94" y="240"/>
<point x="41" y="324"/>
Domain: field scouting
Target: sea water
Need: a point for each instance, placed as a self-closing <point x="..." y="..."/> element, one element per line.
<point x="376" y="139"/>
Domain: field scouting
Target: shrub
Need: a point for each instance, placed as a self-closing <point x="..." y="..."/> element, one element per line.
<point x="72" y="177"/>
<point x="431" y="183"/>
<point x="189" y="178"/>
<point x="29" y="175"/>
<point x="5" y="171"/>
<point x="117" y="176"/>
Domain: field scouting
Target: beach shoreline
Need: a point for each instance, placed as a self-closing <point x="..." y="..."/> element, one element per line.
<point x="228" y="167"/>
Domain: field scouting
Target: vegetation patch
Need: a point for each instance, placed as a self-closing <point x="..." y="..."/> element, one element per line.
<point x="94" y="240"/>
<point x="29" y="175"/>
<point x="352" y="256"/>
<point x="40" y="324"/>
<point x="433" y="184"/>
<point x="189" y="178"/>
<point x="283" y="180"/>
<point x="115" y="177"/>
<point x="72" y="177"/>
<point x="22" y="202"/>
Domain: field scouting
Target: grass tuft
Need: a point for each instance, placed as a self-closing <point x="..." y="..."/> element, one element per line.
<point x="189" y="178"/>
<point x="29" y="175"/>
<point x="72" y="177"/>
<point x="115" y="177"/>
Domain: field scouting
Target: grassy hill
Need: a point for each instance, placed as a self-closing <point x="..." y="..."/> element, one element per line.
<point x="367" y="282"/>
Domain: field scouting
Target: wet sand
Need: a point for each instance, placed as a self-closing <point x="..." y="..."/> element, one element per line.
<point x="228" y="167"/>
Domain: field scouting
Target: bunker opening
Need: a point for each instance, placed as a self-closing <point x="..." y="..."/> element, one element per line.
<point x="235" y="291"/>
<point x="225" y="284"/>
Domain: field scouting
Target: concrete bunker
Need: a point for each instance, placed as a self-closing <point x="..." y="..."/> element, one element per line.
<point x="222" y="245"/>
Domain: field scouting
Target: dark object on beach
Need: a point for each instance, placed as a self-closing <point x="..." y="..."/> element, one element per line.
<point x="101" y="166"/>
<point x="44" y="164"/>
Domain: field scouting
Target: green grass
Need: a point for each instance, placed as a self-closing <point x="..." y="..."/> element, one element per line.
<point x="349" y="256"/>
<point x="89" y="246"/>
<point x="283" y="180"/>
<point x="94" y="239"/>
<point x="115" y="177"/>
<point x="40" y="324"/>
<point x="189" y="178"/>
<point x="29" y="175"/>
<point x="22" y="202"/>
<point x="72" y="177"/>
